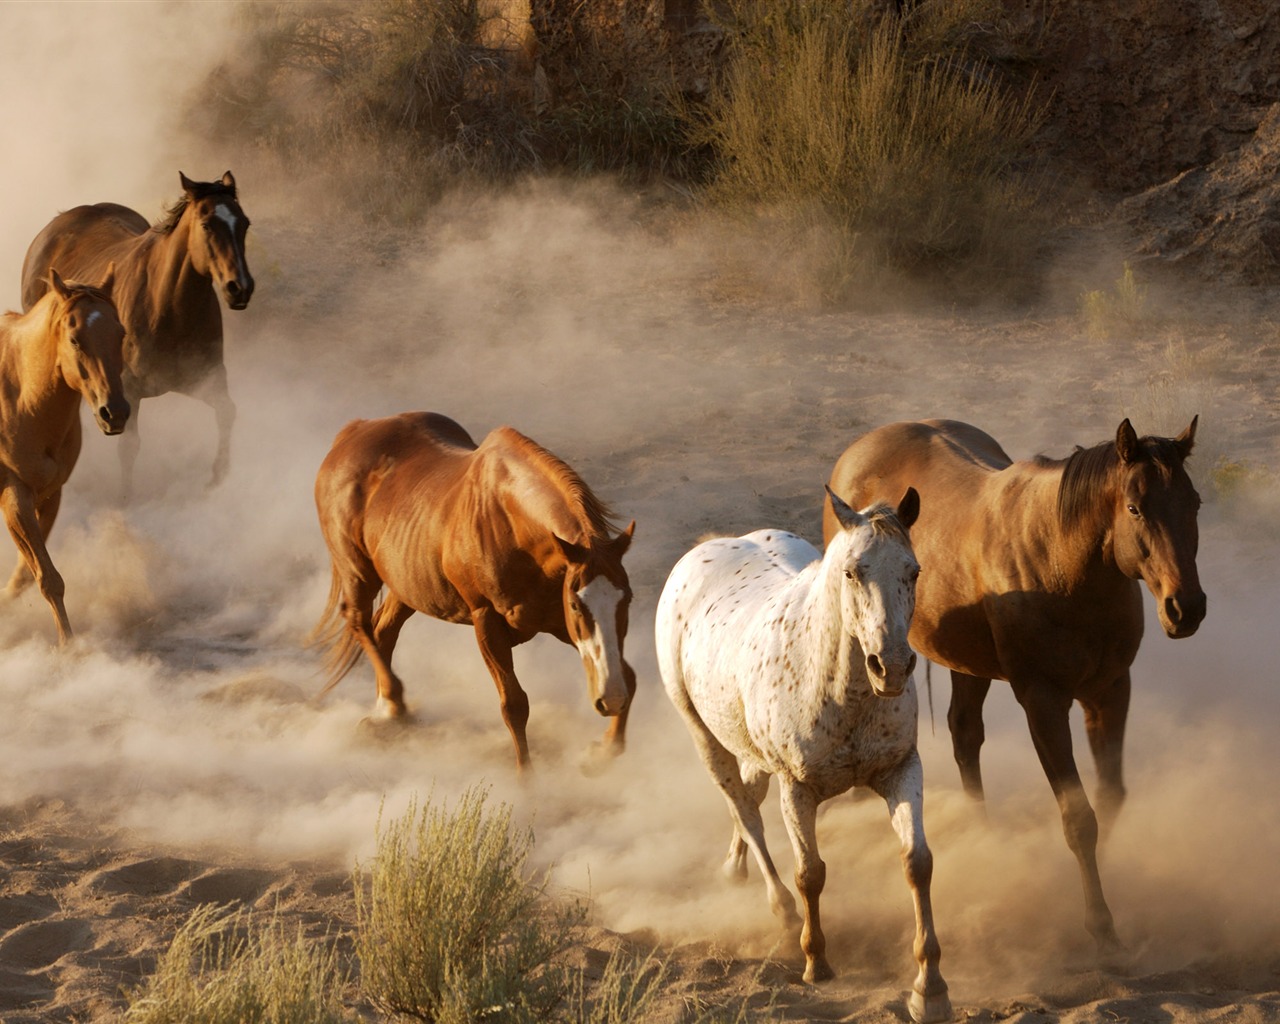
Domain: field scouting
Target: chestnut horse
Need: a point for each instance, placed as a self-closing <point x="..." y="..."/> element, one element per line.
<point x="1031" y="574"/>
<point x="166" y="291"/>
<point x="502" y="535"/>
<point x="67" y="347"/>
<point x="786" y="662"/>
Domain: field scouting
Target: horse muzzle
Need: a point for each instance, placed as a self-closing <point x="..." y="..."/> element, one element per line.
<point x="238" y="292"/>
<point x="112" y="417"/>
<point x="889" y="678"/>
<point x="1181" y="615"/>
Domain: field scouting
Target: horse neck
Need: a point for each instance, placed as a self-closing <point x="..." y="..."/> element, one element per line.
<point x="33" y="341"/>
<point x="1081" y="553"/>
<point x="544" y="506"/>
<point x="171" y="274"/>
<point x="834" y="655"/>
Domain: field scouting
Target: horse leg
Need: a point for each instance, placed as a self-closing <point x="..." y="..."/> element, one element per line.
<point x="18" y="507"/>
<point x="1048" y="711"/>
<point x="494" y="637"/>
<point x="1104" y="721"/>
<point x="215" y="394"/>
<point x="903" y="791"/>
<point x="756" y="782"/>
<point x="964" y="718"/>
<point x="615" y="735"/>
<point x="800" y="813"/>
<point x="744" y="809"/>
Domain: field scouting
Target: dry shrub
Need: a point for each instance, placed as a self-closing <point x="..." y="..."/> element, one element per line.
<point x="394" y="102"/>
<point x="452" y="928"/>
<point x="219" y="971"/>
<point x="891" y="130"/>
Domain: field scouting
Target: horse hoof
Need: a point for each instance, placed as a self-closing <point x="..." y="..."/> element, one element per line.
<point x="929" y="1009"/>
<point x="818" y="970"/>
<point x="598" y="758"/>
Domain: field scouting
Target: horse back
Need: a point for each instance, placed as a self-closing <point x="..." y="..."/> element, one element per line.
<point x="80" y="243"/>
<point x="394" y="493"/>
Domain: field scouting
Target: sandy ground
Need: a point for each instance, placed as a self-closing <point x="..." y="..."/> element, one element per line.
<point x="174" y="754"/>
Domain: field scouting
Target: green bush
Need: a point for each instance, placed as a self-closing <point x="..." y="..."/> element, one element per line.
<point x="890" y="129"/>
<point x="452" y="928"/>
<point x="218" y="971"/>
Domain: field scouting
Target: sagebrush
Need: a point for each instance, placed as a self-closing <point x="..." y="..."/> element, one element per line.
<point x="220" y="970"/>
<point x="452" y="925"/>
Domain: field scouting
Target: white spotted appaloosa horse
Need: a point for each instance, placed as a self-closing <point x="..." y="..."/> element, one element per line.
<point x="785" y="662"/>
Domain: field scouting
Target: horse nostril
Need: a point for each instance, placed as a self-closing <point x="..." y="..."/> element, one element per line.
<point x="875" y="666"/>
<point x="1172" y="610"/>
<point x="911" y="663"/>
<point x="104" y="414"/>
<point x="601" y="706"/>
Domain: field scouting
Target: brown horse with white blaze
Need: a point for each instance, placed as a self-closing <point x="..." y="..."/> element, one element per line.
<point x="502" y="535"/>
<point x="65" y="349"/>
<point x="1030" y="573"/>
<point x="166" y="291"/>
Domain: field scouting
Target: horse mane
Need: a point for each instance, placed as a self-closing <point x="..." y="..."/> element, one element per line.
<point x="598" y="517"/>
<point x="1087" y="472"/>
<point x="200" y="190"/>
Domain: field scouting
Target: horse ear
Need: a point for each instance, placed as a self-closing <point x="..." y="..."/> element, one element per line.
<point x="188" y="186"/>
<point x="110" y="279"/>
<point x="572" y="552"/>
<point x="229" y="180"/>
<point x="1127" y="442"/>
<point x="909" y="508"/>
<point x="622" y="542"/>
<point x="847" y="516"/>
<point x="57" y="284"/>
<point x="1187" y="439"/>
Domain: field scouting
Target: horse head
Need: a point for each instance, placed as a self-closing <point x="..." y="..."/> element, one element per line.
<point x="218" y="228"/>
<point x="597" y="601"/>
<point x="873" y="553"/>
<point x="90" y="339"/>
<point x="1155" y="535"/>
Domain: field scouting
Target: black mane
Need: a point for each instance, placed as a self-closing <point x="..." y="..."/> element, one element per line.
<point x="199" y="190"/>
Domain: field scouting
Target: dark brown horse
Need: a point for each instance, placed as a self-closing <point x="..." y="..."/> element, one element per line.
<point x="503" y="536"/>
<point x="66" y="348"/>
<point x="166" y="291"/>
<point x="1030" y="574"/>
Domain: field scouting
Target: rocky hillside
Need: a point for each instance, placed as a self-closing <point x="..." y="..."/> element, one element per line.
<point x="1156" y="103"/>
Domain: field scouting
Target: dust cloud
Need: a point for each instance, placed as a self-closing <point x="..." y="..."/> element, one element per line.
<point x="185" y="711"/>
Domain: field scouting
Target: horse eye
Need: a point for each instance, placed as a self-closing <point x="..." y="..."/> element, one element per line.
<point x="848" y="574"/>
<point x="1133" y="510"/>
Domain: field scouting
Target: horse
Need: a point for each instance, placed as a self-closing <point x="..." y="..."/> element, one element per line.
<point x="166" y="291"/>
<point x="67" y="347"/>
<point x="502" y="535"/>
<point x="786" y="662"/>
<point x="1031" y="574"/>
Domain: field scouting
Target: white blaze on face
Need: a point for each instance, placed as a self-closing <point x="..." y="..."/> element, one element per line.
<point x="225" y="214"/>
<point x="92" y="318"/>
<point x="602" y="648"/>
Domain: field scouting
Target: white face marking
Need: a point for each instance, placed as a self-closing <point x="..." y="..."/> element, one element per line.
<point x="93" y="318"/>
<point x="603" y="648"/>
<point x="224" y="214"/>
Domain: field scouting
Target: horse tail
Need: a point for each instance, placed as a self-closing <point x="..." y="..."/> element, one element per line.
<point x="928" y="685"/>
<point x="331" y="631"/>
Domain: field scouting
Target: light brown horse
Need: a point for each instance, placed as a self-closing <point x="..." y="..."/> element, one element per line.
<point x="67" y="347"/>
<point x="166" y="290"/>
<point x="503" y="536"/>
<point x="1030" y="574"/>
